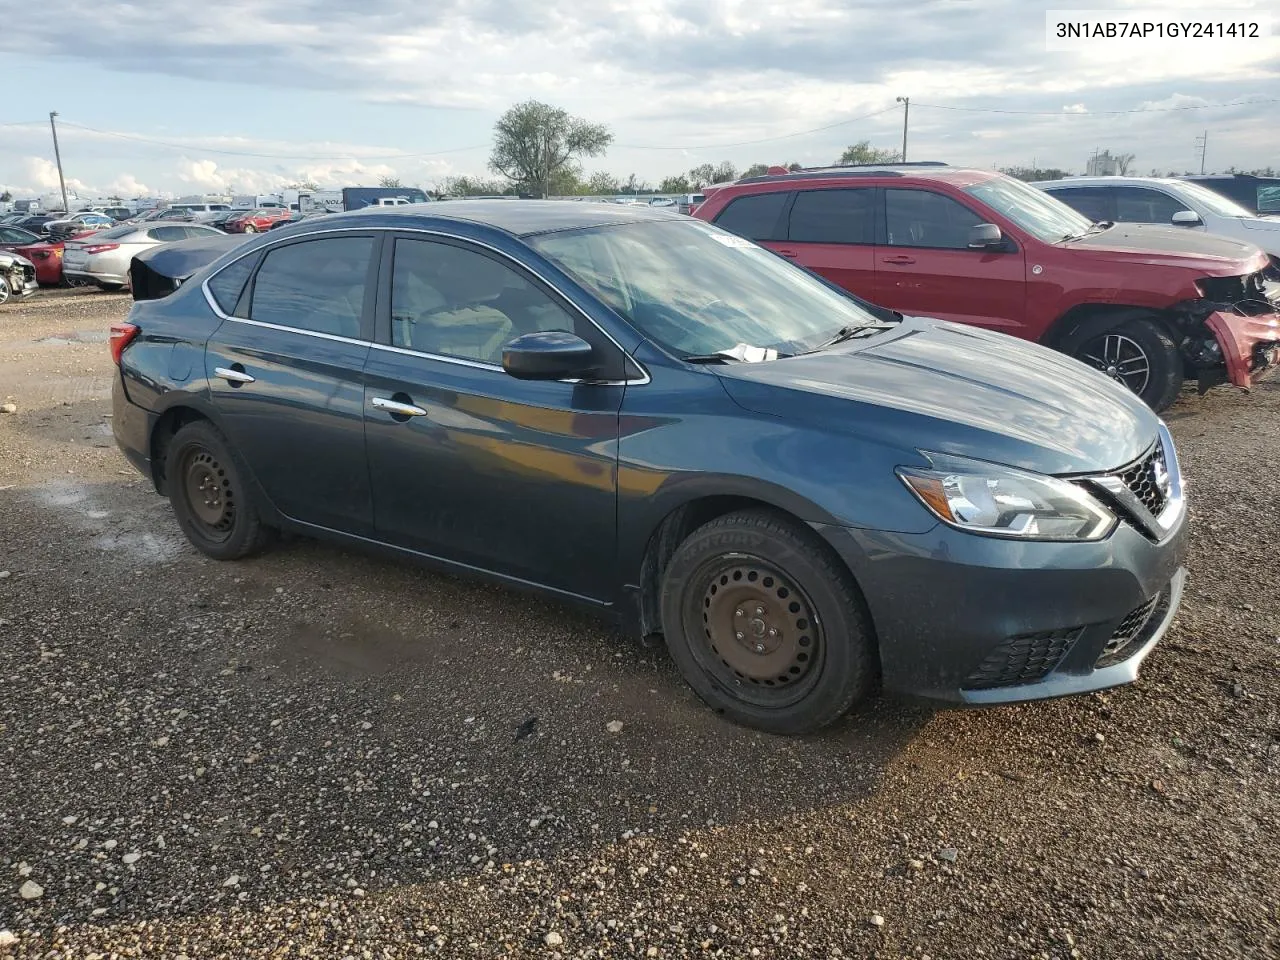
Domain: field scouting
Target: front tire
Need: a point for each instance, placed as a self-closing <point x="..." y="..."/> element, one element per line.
<point x="1138" y="354"/>
<point x="207" y="490"/>
<point x="250" y="228"/>
<point x="5" y="291"/>
<point x="765" y="624"/>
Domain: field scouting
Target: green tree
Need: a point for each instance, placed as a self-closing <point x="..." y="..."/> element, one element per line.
<point x="303" y="185"/>
<point x="756" y="170"/>
<point x="704" y="174"/>
<point x="534" y="142"/>
<point x="472" y="187"/>
<point x="389" y="181"/>
<point x="677" y="184"/>
<point x="1032" y="174"/>
<point x="863" y="152"/>
<point x="602" y="182"/>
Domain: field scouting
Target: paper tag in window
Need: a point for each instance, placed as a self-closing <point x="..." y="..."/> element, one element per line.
<point x="731" y="240"/>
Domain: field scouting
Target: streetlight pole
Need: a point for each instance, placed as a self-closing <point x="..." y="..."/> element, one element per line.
<point x="58" y="157"/>
<point x="906" y="111"/>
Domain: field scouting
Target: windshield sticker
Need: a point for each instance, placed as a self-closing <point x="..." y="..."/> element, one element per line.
<point x="731" y="240"/>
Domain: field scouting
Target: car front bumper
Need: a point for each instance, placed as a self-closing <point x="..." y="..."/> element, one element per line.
<point x="977" y="620"/>
<point x="1250" y="345"/>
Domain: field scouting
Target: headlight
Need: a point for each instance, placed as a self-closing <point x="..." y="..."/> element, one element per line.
<point x="999" y="501"/>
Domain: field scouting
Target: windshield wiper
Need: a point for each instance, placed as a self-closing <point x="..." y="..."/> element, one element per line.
<point x="851" y="332"/>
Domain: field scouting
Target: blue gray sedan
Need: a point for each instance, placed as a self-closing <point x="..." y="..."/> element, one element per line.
<point x="808" y="496"/>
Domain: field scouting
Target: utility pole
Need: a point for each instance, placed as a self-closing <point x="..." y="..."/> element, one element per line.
<point x="906" y="111"/>
<point x="1203" y="144"/>
<point x="58" y="157"/>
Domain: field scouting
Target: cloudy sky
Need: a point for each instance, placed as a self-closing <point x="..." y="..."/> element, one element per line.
<point x="175" y="96"/>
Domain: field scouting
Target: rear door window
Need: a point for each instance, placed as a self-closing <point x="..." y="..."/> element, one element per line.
<point x="228" y="283"/>
<point x="833" y="216"/>
<point x="167" y="234"/>
<point x="317" y="285"/>
<point x="754" y="216"/>
<point x="1094" y="202"/>
<point x="1143" y="205"/>
<point x="922" y="218"/>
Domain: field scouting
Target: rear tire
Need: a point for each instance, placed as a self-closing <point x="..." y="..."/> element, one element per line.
<point x="209" y="495"/>
<point x="5" y="292"/>
<point x="250" y="228"/>
<point x="1138" y="354"/>
<point x="765" y="624"/>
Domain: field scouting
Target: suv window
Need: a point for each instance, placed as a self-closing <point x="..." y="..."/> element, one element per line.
<point x="833" y="216"/>
<point x="1144" y="205"/>
<point x="315" y="285"/>
<point x="1093" y="202"/>
<point x="228" y="283"/>
<point x="455" y="302"/>
<point x="754" y="216"/>
<point x="922" y="218"/>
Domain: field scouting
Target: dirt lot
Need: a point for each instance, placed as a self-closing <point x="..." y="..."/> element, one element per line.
<point x="315" y="753"/>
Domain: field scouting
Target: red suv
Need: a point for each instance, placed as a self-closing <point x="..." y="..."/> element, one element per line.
<point x="1148" y="305"/>
<point x="255" y="221"/>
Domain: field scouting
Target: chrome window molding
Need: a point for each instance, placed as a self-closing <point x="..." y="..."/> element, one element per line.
<point x="213" y="304"/>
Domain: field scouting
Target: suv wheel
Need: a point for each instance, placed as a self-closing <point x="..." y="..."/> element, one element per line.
<point x="765" y="625"/>
<point x="208" y="494"/>
<point x="1139" y="355"/>
<point x="4" y="290"/>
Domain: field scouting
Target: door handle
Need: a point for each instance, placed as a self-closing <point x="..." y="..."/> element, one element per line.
<point x="396" y="408"/>
<point x="898" y="259"/>
<point x="789" y="253"/>
<point x="233" y="376"/>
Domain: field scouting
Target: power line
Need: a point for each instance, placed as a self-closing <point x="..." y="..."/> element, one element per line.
<point x="1097" y="113"/>
<point x="749" y="143"/>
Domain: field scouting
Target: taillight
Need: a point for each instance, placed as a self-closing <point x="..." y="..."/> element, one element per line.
<point x="101" y="247"/>
<point x="122" y="334"/>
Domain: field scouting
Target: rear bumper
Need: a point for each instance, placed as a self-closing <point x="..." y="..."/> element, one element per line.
<point x="92" y="274"/>
<point x="1250" y="345"/>
<point x="131" y="426"/>
<point x="974" y="620"/>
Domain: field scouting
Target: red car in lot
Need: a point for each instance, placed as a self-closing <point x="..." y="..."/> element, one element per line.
<point x="255" y="221"/>
<point x="45" y="254"/>
<point x="1148" y="305"/>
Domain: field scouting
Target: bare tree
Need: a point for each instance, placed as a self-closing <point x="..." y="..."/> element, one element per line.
<point x="1123" y="160"/>
<point x="389" y="181"/>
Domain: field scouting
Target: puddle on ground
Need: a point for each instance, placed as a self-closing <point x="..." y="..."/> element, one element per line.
<point x="75" y="336"/>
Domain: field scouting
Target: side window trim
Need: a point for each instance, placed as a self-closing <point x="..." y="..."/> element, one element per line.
<point x="381" y="258"/>
<point x="383" y="324"/>
<point x="981" y="217"/>
<point x="366" y="308"/>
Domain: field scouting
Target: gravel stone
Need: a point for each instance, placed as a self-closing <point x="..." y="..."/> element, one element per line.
<point x="30" y="890"/>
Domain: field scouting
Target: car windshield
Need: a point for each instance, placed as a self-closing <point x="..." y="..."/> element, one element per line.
<point x="698" y="290"/>
<point x="1213" y="201"/>
<point x="1044" y="217"/>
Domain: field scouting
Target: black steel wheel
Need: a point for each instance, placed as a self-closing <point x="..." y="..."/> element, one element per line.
<point x="766" y="624"/>
<point x="206" y="486"/>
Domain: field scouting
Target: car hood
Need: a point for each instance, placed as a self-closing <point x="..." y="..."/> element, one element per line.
<point x="940" y="387"/>
<point x="1170" y="246"/>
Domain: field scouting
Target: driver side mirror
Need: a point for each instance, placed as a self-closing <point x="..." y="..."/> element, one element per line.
<point x="985" y="236"/>
<point x="549" y="355"/>
<point x="1185" y="218"/>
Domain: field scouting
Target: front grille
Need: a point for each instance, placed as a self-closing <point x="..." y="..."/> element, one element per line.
<point x="1024" y="659"/>
<point x="1134" y="630"/>
<point x="1144" y="479"/>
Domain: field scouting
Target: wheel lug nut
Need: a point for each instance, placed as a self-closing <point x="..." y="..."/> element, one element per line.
<point x="738" y="635"/>
<point x="759" y="611"/>
<point x="739" y="612"/>
<point x="759" y="648"/>
<point x="773" y="631"/>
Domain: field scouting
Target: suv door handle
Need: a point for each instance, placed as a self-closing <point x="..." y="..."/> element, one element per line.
<point x="396" y="408"/>
<point x="901" y="258"/>
<point x="790" y="253"/>
<point x="233" y="376"/>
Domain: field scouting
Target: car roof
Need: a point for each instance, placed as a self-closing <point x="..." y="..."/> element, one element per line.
<point x="1109" y="181"/>
<point x="911" y="171"/>
<point x="520" y="218"/>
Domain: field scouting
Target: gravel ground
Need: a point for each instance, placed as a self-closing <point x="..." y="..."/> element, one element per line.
<point x="319" y="753"/>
